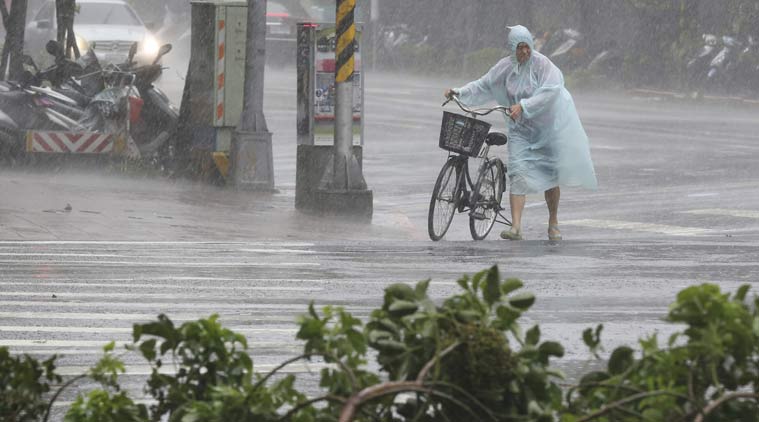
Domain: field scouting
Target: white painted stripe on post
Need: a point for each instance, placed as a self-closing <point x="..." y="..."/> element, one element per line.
<point x="640" y="227"/>
<point x="725" y="212"/>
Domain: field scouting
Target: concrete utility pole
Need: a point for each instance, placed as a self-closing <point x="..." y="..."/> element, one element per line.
<point x="343" y="189"/>
<point x="251" y="153"/>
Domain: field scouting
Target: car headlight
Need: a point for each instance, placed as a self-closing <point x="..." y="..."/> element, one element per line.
<point x="82" y="44"/>
<point x="150" y="46"/>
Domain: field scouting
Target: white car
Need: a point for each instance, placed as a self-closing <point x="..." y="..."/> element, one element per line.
<point x="109" y="27"/>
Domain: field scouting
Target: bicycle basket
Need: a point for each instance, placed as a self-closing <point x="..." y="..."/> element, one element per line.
<point x="462" y="134"/>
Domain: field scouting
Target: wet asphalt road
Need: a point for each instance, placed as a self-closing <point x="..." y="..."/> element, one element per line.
<point x="678" y="204"/>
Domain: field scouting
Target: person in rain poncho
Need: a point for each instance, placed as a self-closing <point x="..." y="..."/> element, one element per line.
<point x="547" y="147"/>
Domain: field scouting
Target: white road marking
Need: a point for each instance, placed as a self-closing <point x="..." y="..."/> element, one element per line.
<point x="142" y="370"/>
<point x="143" y="296"/>
<point x="725" y="212"/>
<point x="118" y="282"/>
<point x="167" y="305"/>
<point x="121" y="344"/>
<point x="144" y="243"/>
<point x="266" y="288"/>
<point x="641" y="227"/>
<point x="161" y="264"/>
<point x="132" y="317"/>
<point x="128" y="330"/>
<point x="68" y="255"/>
<point x="703" y="195"/>
<point x="282" y="251"/>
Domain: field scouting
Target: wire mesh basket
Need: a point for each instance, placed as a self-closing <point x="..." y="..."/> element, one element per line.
<point x="462" y="134"/>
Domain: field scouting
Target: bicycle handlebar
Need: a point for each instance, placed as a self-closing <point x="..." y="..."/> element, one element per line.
<point x="477" y="111"/>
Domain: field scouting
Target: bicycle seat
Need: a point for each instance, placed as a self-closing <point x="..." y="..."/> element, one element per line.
<point x="496" y="139"/>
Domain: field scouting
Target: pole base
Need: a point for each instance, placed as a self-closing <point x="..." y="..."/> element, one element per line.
<point x="312" y="198"/>
<point x="252" y="165"/>
<point x="350" y="204"/>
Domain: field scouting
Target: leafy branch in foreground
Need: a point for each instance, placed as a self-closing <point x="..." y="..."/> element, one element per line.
<point x="462" y="358"/>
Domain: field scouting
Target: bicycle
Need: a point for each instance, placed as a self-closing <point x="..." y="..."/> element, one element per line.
<point x="455" y="190"/>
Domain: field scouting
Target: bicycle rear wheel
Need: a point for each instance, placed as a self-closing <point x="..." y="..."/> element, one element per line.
<point x="445" y="198"/>
<point x="487" y="203"/>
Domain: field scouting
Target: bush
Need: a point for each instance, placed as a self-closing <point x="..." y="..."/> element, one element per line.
<point x="464" y="358"/>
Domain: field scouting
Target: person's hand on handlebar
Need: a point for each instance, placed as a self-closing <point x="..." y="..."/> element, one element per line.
<point x="515" y="112"/>
<point x="450" y="92"/>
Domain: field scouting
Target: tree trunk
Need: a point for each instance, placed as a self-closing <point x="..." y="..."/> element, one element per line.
<point x="14" y="40"/>
<point x="66" y="11"/>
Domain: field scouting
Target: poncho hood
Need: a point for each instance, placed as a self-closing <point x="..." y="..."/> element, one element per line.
<point x="519" y="34"/>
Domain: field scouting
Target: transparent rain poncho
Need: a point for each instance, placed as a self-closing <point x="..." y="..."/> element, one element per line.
<point x="547" y="146"/>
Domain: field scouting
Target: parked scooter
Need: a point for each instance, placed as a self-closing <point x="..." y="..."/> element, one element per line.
<point x="697" y="67"/>
<point x="567" y="49"/>
<point x="29" y="104"/>
<point x="132" y="104"/>
<point x="721" y="74"/>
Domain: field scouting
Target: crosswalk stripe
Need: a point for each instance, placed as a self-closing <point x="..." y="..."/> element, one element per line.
<point x="118" y="282"/>
<point x="163" y="286"/>
<point x="142" y="296"/>
<point x="725" y="212"/>
<point x="151" y="243"/>
<point x="128" y="330"/>
<point x="159" y="264"/>
<point x="135" y="317"/>
<point x="641" y="227"/>
<point x="167" y="305"/>
<point x="119" y="344"/>
<point x="294" y="368"/>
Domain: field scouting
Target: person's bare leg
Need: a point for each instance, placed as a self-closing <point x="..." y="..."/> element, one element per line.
<point x="516" y="202"/>
<point x="552" y="200"/>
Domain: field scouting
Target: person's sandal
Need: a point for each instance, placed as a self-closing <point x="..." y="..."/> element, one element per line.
<point x="554" y="233"/>
<point x="511" y="235"/>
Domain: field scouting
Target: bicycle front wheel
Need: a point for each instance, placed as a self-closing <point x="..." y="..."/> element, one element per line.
<point x="445" y="198"/>
<point x="487" y="200"/>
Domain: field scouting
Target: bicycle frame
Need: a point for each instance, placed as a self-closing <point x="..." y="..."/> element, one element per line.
<point x="458" y="190"/>
<point x="470" y="202"/>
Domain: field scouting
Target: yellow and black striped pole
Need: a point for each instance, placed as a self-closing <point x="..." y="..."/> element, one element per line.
<point x="346" y="173"/>
<point x="345" y="33"/>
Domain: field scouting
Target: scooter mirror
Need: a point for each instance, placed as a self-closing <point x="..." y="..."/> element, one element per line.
<point x="132" y="51"/>
<point x="165" y="49"/>
<point x="54" y="48"/>
<point x="162" y="52"/>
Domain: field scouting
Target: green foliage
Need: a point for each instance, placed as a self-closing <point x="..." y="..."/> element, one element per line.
<point x="103" y="406"/>
<point x="205" y="353"/>
<point x="462" y="358"/>
<point x="23" y="382"/>
<point x="715" y="357"/>
<point x="484" y="371"/>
